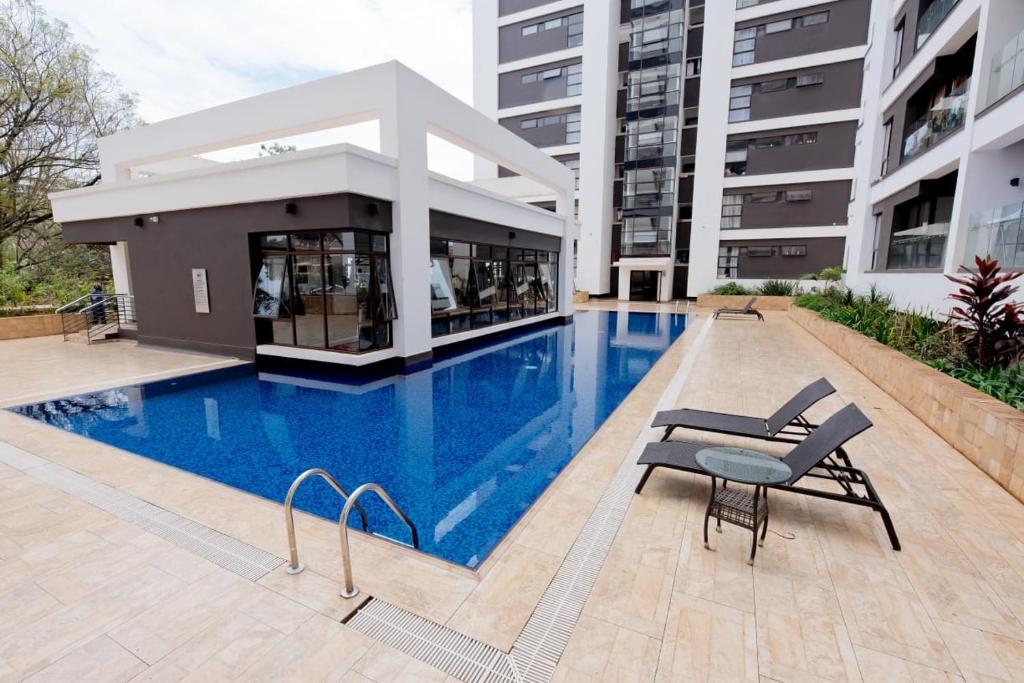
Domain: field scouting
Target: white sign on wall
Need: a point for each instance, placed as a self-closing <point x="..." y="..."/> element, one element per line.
<point x="200" y="290"/>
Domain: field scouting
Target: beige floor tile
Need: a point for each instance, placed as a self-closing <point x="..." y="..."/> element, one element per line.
<point x="320" y="649"/>
<point x="101" y="659"/>
<point x="878" y="666"/>
<point x="984" y="656"/>
<point x="705" y="641"/>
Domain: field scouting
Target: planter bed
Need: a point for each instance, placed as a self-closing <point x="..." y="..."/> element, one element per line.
<point x="987" y="431"/>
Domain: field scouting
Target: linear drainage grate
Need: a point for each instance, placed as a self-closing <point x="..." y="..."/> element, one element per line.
<point x="236" y="556"/>
<point x="455" y="654"/>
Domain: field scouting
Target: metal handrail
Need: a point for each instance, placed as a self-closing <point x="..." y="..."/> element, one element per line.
<point x="72" y="303"/>
<point x="294" y="566"/>
<point x="350" y="590"/>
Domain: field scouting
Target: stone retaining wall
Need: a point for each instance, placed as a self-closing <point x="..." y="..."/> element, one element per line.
<point x="764" y="303"/>
<point x="987" y="431"/>
<point x="21" y="326"/>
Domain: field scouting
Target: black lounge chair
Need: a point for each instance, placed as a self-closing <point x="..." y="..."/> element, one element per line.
<point x="812" y="457"/>
<point x="772" y="428"/>
<point x="746" y="310"/>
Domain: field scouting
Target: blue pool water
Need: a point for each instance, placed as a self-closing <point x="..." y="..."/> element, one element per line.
<point x="464" y="447"/>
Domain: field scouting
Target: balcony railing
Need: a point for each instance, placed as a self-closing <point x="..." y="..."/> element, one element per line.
<point x="946" y="117"/>
<point x="931" y="19"/>
<point x="923" y="246"/>
<point x="1007" y="69"/>
<point x="999" y="234"/>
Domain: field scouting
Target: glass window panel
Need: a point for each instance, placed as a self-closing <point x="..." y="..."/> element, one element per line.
<point x="438" y="246"/>
<point x="270" y="295"/>
<point x="340" y="241"/>
<point x="528" y="123"/>
<point x="305" y="241"/>
<point x="778" y="26"/>
<point x="529" y="30"/>
<point x="814" y="19"/>
<point x="460" y="269"/>
<point x="309" y="300"/>
<point x="460" y="249"/>
<point x="269" y="242"/>
<point x="346" y="291"/>
<point x="810" y="79"/>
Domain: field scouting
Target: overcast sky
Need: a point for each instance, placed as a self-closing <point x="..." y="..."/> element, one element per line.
<point x="184" y="55"/>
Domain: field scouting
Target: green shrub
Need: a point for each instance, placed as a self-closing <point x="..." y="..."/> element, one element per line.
<point x="731" y="288"/>
<point x="831" y="274"/>
<point x="778" y="288"/>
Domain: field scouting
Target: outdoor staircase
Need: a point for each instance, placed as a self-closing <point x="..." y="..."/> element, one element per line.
<point x="97" y="318"/>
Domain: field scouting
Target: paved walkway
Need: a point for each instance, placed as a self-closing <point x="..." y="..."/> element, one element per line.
<point x="88" y="596"/>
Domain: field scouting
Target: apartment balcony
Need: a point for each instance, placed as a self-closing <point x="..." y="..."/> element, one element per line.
<point x="1007" y="72"/>
<point x="945" y="117"/>
<point x="931" y="18"/>
<point x="999" y="234"/>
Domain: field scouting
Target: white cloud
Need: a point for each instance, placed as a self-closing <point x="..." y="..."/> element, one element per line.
<point x="186" y="55"/>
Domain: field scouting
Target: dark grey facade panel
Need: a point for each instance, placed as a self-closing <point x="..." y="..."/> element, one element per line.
<point x="828" y="205"/>
<point x="840" y="89"/>
<point x="450" y="226"/>
<point x="513" y="45"/>
<point x="834" y="148"/>
<point x="513" y="6"/>
<point x="847" y="26"/>
<point x="163" y="254"/>
<point x="822" y="252"/>
<point x="540" y="136"/>
<point x="512" y="92"/>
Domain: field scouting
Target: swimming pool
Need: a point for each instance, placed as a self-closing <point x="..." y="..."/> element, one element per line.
<point x="464" y="447"/>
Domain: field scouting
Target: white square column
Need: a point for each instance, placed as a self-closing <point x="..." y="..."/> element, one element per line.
<point x="405" y="138"/>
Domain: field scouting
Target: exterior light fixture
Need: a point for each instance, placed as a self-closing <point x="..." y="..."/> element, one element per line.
<point x="154" y="219"/>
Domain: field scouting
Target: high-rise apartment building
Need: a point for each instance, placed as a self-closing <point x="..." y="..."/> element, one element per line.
<point x="715" y="142"/>
<point x="743" y="140"/>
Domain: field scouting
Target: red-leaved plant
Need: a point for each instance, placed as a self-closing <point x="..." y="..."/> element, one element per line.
<point x="992" y="326"/>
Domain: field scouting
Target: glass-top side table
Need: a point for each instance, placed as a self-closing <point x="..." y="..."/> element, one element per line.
<point x="737" y="507"/>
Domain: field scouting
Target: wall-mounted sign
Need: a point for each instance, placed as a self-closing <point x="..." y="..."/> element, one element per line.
<point x="200" y="290"/>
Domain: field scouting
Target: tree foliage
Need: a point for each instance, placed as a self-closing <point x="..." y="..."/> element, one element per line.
<point x="54" y="104"/>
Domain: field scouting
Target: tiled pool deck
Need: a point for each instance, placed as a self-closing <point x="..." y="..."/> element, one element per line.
<point x="87" y="595"/>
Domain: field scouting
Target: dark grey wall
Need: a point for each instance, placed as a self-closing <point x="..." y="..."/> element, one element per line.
<point x="828" y="206"/>
<point x="162" y="256"/>
<point x="822" y="252"/>
<point x="834" y="149"/>
<point x="840" y="90"/>
<point x="542" y="136"/>
<point x="512" y="92"/>
<point x="452" y="227"/>
<point x="513" y="6"/>
<point x="847" y="26"/>
<point x="513" y="45"/>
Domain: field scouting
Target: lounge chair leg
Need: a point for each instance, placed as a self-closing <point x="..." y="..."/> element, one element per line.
<point x="707" y="514"/>
<point x="889" y="528"/>
<point x="644" y="478"/>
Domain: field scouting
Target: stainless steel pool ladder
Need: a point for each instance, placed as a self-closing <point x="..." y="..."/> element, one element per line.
<point x="294" y="566"/>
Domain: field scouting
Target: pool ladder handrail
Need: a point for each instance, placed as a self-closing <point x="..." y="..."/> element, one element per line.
<point x="294" y="566"/>
<point x="350" y="590"/>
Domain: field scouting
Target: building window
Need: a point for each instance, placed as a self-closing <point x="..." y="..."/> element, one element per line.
<point x="571" y="121"/>
<point x="798" y="195"/>
<point x="732" y="211"/>
<point x="728" y="262"/>
<point x="572" y="128"/>
<point x="736" y="157"/>
<point x="693" y="66"/>
<point x="574" y="22"/>
<point x="574" y="80"/>
<point x="477" y="285"/>
<point x="326" y="290"/>
<point x="574" y="166"/>
<point x="777" y="26"/>
<point x="805" y="80"/>
<point x="897" y="47"/>
<point x="743" y="46"/>
<point x="886" y="144"/>
<point x="794" y="250"/>
<point x="739" y="103"/>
